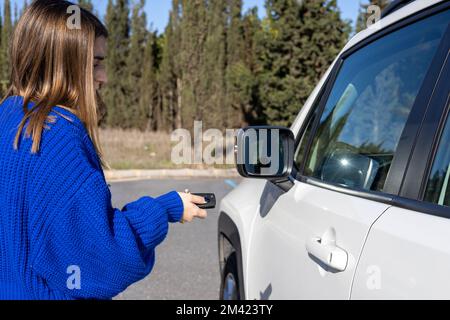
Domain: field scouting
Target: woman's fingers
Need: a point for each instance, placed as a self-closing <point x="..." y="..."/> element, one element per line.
<point x="191" y="210"/>
<point x="197" y="199"/>
<point x="201" y="213"/>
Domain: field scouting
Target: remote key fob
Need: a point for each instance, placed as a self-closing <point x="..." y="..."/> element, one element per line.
<point x="210" y="199"/>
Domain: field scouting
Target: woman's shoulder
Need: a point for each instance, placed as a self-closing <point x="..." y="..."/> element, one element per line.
<point x="65" y="130"/>
<point x="63" y="135"/>
<point x="66" y="117"/>
<point x="74" y="129"/>
<point x="59" y="117"/>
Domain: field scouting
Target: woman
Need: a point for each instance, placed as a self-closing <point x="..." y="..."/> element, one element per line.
<point x="60" y="238"/>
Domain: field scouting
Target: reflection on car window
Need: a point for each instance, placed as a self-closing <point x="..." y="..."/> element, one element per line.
<point x="369" y="105"/>
<point x="438" y="189"/>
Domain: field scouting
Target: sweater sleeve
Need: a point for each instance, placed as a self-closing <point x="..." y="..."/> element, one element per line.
<point x="93" y="251"/>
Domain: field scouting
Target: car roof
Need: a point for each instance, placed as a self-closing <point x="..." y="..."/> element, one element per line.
<point x="404" y="12"/>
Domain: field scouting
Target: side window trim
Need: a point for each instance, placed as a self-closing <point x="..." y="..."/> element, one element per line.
<point x="393" y="183"/>
<point x="445" y="187"/>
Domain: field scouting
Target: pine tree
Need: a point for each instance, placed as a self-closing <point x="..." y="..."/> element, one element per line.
<point x="150" y="100"/>
<point x="363" y="15"/>
<point x="211" y="91"/>
<point x="193" y="34"/>
<point x="234" y="63"/>
<point x="235" y="32"/>
<point x="300" y="42"/>
<point x="168" y="116"/>
<point x="6" y="34"/>
<point x="136" y="115"/>
<point x="243" y="77"/>
<point x="115" y="95"/>
<point x="243" y="69"/>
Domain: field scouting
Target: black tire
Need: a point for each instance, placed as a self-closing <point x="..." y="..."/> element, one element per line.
<point x="230" y="274"/>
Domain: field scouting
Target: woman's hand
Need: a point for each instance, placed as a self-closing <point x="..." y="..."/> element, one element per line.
<point x="191" y="210"/>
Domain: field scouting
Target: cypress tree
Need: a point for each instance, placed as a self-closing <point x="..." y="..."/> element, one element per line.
<point x="234" y="63"/>
<point x="300" y="43"/>
<point x="6" y="33"/>
<point x="168" y="116"/>
<point x="115" y="95"/>
<point x="211" y="92"/>
<point x="243" y="73"/>
<point x="193" y="34"/>
<point x="150" y="99"/>
<point x="136" y="115"/>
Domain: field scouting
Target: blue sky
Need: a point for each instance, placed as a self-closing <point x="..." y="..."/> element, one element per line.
<point x="158" y="10"/>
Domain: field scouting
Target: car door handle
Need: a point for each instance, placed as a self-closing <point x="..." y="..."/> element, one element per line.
<point x="328" y="253"/>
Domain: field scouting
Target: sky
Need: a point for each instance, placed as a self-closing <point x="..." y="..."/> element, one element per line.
<point x="158" y="10"/>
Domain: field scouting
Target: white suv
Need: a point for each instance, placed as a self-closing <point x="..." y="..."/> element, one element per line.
<point x="359" y="207"/>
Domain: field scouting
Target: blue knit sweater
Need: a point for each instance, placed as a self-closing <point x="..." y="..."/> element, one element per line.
<point x="60" y="237"/>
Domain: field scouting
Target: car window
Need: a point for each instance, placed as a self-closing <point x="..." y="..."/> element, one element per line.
<point x="438" y="187"/>
<point x="303" y="143"/>
<point x="368" y="107"/>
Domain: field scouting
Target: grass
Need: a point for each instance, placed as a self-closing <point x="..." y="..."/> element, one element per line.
<point x="133" y="149"/>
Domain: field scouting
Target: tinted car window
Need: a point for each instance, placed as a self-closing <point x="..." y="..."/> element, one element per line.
<point x="438" y="188"/>
<point x="369" y="105"/>
<point x="303" y="144"/>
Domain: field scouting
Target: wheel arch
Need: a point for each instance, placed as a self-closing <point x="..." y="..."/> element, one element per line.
<point x="229" y="242"/>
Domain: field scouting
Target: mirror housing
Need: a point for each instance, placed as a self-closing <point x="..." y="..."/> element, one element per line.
<point x="266" y="152"/>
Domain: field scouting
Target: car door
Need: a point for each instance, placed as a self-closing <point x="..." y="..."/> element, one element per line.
<point x="306" y="243"/>
<point x="407" y="255"/>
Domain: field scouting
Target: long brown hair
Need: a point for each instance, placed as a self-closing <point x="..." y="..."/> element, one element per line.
<point x="52" y="65"/>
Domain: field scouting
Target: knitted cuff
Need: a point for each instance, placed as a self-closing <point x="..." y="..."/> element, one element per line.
<point x="173" y="204"/>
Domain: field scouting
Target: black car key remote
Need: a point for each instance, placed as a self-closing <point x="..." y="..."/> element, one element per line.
<point x="210" y="199"/>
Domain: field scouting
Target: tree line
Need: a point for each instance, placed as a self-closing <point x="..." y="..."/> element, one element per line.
<point x="213" y="62"/>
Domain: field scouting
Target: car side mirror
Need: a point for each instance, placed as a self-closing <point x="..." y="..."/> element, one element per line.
<point x="266" y="153"/>
<point x="349" y="169"/>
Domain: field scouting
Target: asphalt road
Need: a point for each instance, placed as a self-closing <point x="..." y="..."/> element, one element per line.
<point x="187" y="261"/>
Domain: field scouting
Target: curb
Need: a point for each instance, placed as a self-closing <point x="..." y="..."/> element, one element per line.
<point x="121" y="175"/>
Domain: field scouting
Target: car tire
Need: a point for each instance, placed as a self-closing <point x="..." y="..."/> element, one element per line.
<point x="230" y="280"/>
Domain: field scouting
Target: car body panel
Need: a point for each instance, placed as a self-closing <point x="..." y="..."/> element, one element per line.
<point x="405" y="257"/>
<point x="279" y="265"/>
<point x="242" y="210"/>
